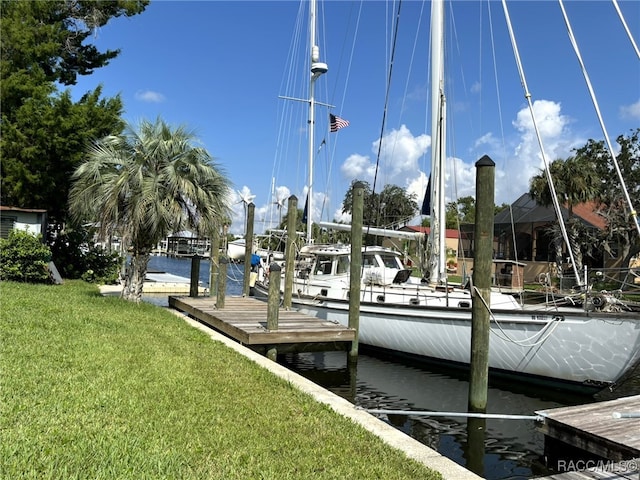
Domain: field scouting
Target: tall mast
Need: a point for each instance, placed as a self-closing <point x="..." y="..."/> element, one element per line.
<point x="438" y="144"/>
<point x="317" y="69"/>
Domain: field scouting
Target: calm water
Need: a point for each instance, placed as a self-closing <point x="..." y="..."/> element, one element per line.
<point x="182" y="267"/>
<point x="494" y="449"/>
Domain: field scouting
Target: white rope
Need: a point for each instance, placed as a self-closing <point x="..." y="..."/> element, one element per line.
<point x="534" y="340"/>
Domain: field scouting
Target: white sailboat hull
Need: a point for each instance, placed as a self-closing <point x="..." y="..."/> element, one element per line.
<point x="236" y="249"/>
<point x="577" y="347"/>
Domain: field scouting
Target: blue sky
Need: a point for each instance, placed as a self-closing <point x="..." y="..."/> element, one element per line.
<point x="219" y="67"/>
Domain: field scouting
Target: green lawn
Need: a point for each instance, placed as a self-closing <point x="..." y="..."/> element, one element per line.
<point x="96" y="387"/>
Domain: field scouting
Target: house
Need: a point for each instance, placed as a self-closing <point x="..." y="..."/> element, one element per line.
<point x="524" y="233"/>
<point x="33" y="220"/>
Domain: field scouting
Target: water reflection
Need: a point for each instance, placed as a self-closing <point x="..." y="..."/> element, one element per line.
<point x="492" y="448"/>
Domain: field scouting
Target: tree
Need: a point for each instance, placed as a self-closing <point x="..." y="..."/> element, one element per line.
<point x="49" y="36"/>
<point x="462" y="210"/>
<point x="368" y="217"/>
<point x="45" y="142"/>
<point x="43" y="133"/>
<point x="591" y="175"/>
<point x="391" y="208"/>
<point x="145" y="184"/>
<point x="621" y="237"/>
<point x="575" y="181"/>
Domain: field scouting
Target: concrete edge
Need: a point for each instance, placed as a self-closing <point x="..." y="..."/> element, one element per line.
<point x="393" y="437"/>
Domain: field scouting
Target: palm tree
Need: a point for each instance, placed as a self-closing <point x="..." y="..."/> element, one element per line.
<point x="147" y="184"/>
<point x="575" y="181"/>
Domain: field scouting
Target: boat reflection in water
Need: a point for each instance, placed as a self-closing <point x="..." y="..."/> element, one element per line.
<point x="493" y="448"/>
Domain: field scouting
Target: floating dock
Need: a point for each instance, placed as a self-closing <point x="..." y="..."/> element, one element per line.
<point x="607" y="430"/>
<point x="245" y="320"/>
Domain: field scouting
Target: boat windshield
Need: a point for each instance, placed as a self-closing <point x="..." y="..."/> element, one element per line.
<point x="391" y="261"/>
<point x="343" y="264"/>
<point x="323" y="265"/>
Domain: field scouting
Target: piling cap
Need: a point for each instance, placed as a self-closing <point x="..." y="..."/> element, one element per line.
<point x="485" y="161"/>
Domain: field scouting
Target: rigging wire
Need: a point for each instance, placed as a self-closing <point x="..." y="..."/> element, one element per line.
<point x="587" y="79"/>
<point x="497" y="81"/>
<point x="543" y="153"/>
<point x="626" y="28"/>
<point x="344" y="95"/>
<point x="386" y="98"/>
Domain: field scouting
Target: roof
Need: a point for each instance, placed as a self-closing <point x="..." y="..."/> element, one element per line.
<point x="5" y="208"/>
<point x="526" y="210"/>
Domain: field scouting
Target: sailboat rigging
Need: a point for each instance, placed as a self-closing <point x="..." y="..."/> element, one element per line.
<point x="579" y="347"/>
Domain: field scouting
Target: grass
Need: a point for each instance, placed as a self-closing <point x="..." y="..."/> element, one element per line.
<point x="96" y="387"/>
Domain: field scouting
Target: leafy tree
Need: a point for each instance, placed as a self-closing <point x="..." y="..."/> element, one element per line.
<point x="621" y="234"/>
<point x="145" y="184"/>
<point x="43" y="133"/>
<point x="461" y="211"/>
<point x="45" y="142"/>
<point x="24" y="258"/>
<point x="392" y="207"/>
<point x="369" y="213"/>
<point x="49" y="36"/>
<point x="396" y="207"/>
<point x="590" y="175"/>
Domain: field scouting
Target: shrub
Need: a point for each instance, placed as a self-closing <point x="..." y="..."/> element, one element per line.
<point x="76" y="257"/>
<point x="24" y="258"/>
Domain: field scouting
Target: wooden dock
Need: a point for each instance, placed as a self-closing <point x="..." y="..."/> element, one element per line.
<point x="596" y="430"/>
<point x="245" y="320"/>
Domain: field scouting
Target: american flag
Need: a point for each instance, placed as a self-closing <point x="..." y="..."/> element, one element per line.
<point x="337" y="123"/>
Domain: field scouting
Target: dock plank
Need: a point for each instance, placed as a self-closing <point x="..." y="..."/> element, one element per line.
<point x="245" y="320"/>
<point x="593" y="428"/>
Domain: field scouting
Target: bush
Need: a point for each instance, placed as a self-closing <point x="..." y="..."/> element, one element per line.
<point x="76" y="257"/>
<point x="24" y="258"/>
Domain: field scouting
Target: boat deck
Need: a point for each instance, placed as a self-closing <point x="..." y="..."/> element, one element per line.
<point x="245" y="320"/>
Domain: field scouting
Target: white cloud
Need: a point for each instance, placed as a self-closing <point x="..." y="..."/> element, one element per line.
<point x="149" y="96"/>
<point x="239" y="200"/>
<point x="517" y="158"/>
<point x="630" y="111"/>
<point x="399" y="159"/>
<point x="359" y="167"/>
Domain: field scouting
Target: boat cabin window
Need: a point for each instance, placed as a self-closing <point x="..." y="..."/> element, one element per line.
<point x="323" y="265"/>
<point x="391" y="261"/>
<point x="369" y="260"/>
<point x="343" y="264"/>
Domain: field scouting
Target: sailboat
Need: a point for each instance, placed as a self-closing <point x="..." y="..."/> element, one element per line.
<point x="431" y="319"/>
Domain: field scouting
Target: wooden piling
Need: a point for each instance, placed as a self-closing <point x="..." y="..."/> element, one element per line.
<point x="480" y="315"/>
<point x="273" y="305"/>
<point x="222" y="282"/>
<point x="248" y="246"/>
<point x="356" y="265"/>
<point x="214" y="258"/>
<point x="292" y="213"/>
<point x="195" y="275"/>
